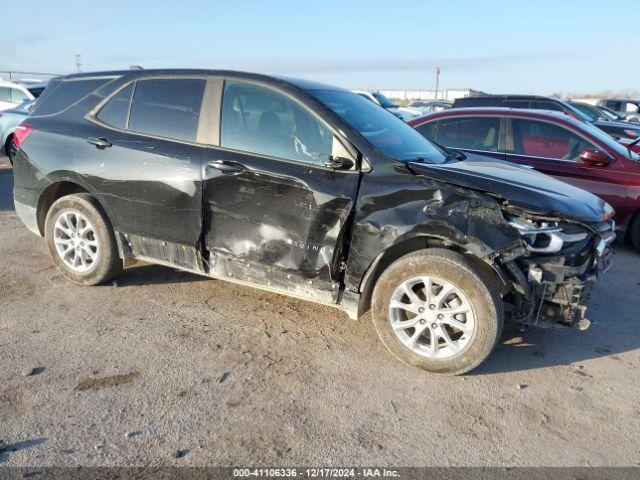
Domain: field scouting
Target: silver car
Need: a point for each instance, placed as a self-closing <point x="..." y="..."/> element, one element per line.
<point x="9" y="120"/>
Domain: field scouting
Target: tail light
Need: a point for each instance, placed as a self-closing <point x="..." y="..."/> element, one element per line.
<point x="21" y="133"/>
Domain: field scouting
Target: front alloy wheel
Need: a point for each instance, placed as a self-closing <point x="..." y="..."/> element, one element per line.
<point x="431" y="317"/>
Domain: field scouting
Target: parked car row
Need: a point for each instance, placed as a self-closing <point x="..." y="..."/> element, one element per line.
<point x="317" y="192"/>
<point x="9" y="121"/>
<point x="553" y="143"/>
<point x="14" y="94"/>
<point x="626" y="109"/>
<point x="405" y="113"/>
<point x="617" y="129"/>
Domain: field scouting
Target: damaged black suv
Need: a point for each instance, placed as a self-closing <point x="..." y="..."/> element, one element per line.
<point x="311" y="191"/>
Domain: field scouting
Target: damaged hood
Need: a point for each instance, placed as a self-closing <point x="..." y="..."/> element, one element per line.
<point x="520" y="187"/>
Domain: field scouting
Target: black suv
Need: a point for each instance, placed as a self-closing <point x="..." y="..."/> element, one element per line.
<point x="618" y="130"/>
<point x="307" y="190"/>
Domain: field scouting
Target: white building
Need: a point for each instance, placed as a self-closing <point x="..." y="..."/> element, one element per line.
<point x="446" y="94"/>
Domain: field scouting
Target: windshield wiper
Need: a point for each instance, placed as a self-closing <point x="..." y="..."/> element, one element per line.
<point x="631" y="145"/>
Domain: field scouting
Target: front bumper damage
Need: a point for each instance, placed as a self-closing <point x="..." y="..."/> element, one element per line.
<point x="555" y="289"/>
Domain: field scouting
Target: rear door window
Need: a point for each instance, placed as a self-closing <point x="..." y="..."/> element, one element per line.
<point x="541" y="139"/>
<point x="167" y="107"/>
<point x="116" y="111"/>
<point x="471" y="133"/>
<point x="262" y="120"/>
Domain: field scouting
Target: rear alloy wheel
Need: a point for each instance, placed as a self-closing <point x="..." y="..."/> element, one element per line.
<point x="75" y="241"/>
<point x="81" y="241"/>
<point x="434" y="310"/>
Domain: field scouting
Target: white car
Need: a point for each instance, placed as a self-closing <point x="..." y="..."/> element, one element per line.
<point x="13" y="94"/>
<point x="405" y="113"/>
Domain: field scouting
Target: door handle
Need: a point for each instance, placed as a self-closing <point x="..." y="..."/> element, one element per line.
<point x="100" y="142"/>
<point x="227" y="166"/>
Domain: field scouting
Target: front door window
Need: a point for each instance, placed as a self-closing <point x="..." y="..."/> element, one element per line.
<point x="260" y="120"/>
<point x="541" y="139"/>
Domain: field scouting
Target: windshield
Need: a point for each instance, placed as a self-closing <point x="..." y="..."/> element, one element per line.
<point x="588" y="111"/>
<point x="384" y="101"/>
<point x="609" y="113"/>
<point x="578" y="113"/>
<point x="382" y="129"/>
<point x="610" y="142"/>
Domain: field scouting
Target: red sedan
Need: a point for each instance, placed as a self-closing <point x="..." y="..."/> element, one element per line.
<point x="551" y="142"/>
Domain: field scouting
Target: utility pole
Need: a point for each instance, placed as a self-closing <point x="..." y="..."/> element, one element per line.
<point x="78" y="62"/>
<point x="437" y="82"/>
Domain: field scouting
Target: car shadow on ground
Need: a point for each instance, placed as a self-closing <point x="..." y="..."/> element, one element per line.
<point x="148" y="274"/>
<point x="6" y="187"/>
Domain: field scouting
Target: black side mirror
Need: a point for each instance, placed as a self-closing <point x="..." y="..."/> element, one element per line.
<point x="339" y="163"/>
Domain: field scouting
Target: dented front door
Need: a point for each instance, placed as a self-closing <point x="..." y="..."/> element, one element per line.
<point x="277" y="223"/>
<point x="274" y="214"/>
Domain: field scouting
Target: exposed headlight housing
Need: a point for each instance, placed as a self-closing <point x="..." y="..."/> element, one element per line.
<point x="545" y="237"/>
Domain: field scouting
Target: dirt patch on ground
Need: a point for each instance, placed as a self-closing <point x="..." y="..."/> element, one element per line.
<point x="104" y="382"/>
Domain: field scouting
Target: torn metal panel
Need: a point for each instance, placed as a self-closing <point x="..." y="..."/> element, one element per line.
<point x="396" y="205"/>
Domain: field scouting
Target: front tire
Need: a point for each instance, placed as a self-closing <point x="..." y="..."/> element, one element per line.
<point x="81" y="241"/>
<point x="635" y="232"/>
<point x="434" y="310"/>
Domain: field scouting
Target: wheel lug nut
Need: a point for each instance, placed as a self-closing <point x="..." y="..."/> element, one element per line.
<point x="423" y="321"/>
<point x="432" y="306"/>
<point x="433" y="325"/>
<point x="421" y="309"/>
<point x="440" y="316"/>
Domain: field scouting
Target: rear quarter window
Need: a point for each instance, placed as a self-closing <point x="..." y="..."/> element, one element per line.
<point x="61" y="94"/>
<point x="116" y="111"/>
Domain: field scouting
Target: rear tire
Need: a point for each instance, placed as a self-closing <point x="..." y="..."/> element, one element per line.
<point x="463" y="312"/>
<point x="81" y="241"/>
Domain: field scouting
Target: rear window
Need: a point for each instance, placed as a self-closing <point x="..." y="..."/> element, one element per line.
<point x="471" y="133"/>
<point x="60" y="94"/>
<point x="167" y="107"/>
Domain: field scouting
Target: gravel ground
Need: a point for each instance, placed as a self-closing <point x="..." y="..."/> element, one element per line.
<point x="166" y="368"/>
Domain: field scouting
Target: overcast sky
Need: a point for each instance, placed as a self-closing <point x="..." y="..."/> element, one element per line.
<point x="497" y="46"/>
